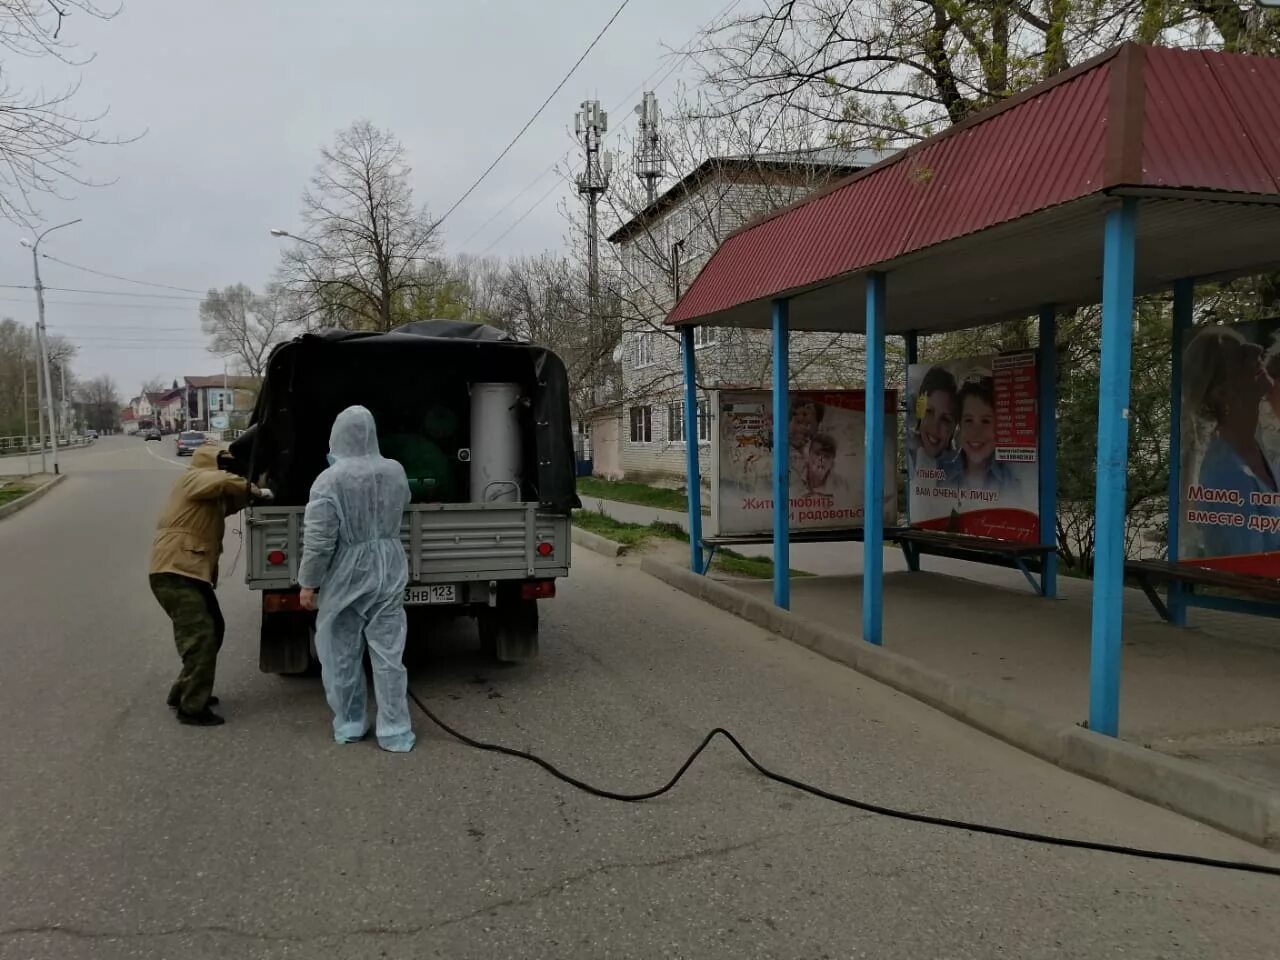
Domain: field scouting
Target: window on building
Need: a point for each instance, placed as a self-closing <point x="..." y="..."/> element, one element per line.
<point x="704" y="336"/>
<point x="675" y="422"/>
<point x="646" y="349"/>
<point x="704" y="421"/>
<point x="642" y="424"/>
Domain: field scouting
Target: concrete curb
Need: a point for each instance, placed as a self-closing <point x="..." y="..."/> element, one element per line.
<point x="597" y="544"/>
<point x="22" y="502"/>
<point x="1204" y="794"/>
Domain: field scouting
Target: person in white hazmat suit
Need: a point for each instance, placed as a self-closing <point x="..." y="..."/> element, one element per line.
<point x="354" y="572"/>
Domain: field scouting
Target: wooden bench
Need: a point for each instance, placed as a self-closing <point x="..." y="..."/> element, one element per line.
<point x="1187" y="577"/>
<point x="1026" y="557"/>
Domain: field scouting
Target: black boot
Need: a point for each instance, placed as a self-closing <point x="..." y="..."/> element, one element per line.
<point x="205" y="718"/>
<point x="174" y="700"/>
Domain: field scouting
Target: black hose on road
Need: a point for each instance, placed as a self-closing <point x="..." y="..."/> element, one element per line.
<point x="1242" y="866"/>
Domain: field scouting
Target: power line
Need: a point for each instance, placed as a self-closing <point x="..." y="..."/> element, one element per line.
<point x="183" y="309"/>
<point x="519" y="220"/>
<point x="114" y="276"/>
<point x="682" y="55"/>
<point x="537" y="113"/>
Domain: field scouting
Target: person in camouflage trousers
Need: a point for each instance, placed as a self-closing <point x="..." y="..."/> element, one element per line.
<point x="184" y="571"/>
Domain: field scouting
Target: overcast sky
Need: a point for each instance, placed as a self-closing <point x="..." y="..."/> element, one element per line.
<point x="236" y="98"/>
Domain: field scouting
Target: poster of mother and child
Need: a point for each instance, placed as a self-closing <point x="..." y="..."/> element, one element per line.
<point x="971" y="447"/>
<point x="972" y="457"/>
<point x="1229" y="511"/>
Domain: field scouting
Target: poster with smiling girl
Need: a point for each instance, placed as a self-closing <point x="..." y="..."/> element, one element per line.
<point x="972" y="431"/>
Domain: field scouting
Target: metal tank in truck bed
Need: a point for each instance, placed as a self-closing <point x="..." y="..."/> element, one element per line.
<point x="488" y="532"/>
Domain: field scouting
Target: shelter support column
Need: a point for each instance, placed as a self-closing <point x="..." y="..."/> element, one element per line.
<point x="694" y="478"/>
<point x="911" y="347"/>
<point x="781" y="455"/>
<point x="1119" y="250"/>
<point x="873" y="484"/>
<point x="1048" y="453"/>
<point x="1184" y="292"/>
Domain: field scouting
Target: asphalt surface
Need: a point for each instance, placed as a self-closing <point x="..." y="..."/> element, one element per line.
<point x="124" y="834"/>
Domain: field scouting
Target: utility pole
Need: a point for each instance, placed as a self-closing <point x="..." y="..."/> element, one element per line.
<point x="590" y="124"/>
<point x="26" y="418"/>
<point x="650" y="162"/>
<point x="41" y="334"/>
<point x="65" y="411"/>
<point x="44" y="460"/>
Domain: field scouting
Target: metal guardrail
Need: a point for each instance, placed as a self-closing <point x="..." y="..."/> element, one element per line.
<point x="10" y="445"/>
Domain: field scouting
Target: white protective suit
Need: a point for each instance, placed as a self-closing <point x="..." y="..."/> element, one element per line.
<point x="353" y="556"/>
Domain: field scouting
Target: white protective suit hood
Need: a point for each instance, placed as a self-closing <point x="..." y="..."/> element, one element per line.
<point x="353" y="435"/>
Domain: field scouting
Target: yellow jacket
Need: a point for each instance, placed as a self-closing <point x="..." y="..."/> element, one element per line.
<point x="189" y="535"/>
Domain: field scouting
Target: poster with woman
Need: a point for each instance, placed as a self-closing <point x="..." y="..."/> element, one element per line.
<point x="1229" y="514"/>
<point x="824" y="437"/>
<point x="971" y="446"/>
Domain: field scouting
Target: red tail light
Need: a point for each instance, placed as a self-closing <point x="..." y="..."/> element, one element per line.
<point x="538" y="589"/>
<point x="545" y="549"/>
<point x="276" y="558"/>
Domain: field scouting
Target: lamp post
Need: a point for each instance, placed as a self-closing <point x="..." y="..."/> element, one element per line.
<point x="41" y="335"/>
<point x="278" y="232"/>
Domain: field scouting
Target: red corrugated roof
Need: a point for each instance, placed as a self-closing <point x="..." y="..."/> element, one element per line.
<point x="1136" y="116"/>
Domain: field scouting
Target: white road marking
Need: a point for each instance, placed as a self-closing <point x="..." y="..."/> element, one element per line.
<point x="163" y="459"/>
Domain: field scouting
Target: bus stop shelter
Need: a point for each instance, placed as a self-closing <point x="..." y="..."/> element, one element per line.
<point x="1142" y="170"/>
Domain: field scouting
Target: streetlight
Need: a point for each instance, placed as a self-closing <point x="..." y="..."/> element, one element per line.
<point x="42" y="336"/>
<point x="278" y="232"/>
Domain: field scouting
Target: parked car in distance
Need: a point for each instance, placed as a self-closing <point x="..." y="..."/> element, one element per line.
<point x="189" y="441"/>
<point x="151" y="433"/>
<point x="91" y="434"/>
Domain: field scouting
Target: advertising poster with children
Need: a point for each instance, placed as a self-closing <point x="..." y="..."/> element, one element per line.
<point x="1230" y="423"/>
<point x="972" y="432"/>
<point x="825" y="437"/>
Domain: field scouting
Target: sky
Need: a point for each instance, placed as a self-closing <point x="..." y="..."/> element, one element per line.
<point x="234" y="100"/>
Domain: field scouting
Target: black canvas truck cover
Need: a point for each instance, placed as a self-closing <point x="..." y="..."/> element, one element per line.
<point x="310" y="379"/>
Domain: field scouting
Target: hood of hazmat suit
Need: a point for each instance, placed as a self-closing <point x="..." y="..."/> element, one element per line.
<point x="189" y="533"/>
<point x="353" y="555"/>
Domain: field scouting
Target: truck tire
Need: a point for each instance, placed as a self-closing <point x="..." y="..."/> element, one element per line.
<point x="509" y="632"/>
<point x="286" y="646"/>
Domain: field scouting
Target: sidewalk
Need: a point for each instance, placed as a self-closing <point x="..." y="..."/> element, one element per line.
<point x="1210" y="693"/>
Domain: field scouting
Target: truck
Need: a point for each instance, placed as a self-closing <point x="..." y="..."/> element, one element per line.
<point x="481" y="422"/>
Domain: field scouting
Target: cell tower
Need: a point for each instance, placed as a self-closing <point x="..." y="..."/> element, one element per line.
<point x="651" y="164"/>
<point x="590" y="124"/>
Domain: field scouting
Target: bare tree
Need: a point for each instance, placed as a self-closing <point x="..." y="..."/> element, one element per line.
<point x="244" y="326"/>
<point x="544" y="300"/>
<point x="889" y="72"/>
<point x="40" y="132"/>
<point x="368" y="243"/>
<point x="99" y="401"/>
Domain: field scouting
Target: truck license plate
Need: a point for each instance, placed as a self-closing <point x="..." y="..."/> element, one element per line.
<point x="436" y="593"/>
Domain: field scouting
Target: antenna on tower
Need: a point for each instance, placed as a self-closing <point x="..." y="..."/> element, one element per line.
<point x="651" y="164"/>
<point x="590" y="124"/>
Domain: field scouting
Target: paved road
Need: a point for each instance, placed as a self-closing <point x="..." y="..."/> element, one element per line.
<point x="123" y="834"/>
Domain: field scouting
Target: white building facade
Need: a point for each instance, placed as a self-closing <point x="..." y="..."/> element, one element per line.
<point x="660" y="251"/>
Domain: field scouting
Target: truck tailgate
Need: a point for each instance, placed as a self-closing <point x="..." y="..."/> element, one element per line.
<point x="444" y="543"/>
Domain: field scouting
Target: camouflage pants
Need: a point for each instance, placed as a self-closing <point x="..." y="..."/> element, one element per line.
<point x="198" y="629"/>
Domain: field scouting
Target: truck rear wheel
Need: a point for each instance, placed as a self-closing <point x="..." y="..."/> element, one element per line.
<point x="509" y="631"/>
<point x="286" y="644"/>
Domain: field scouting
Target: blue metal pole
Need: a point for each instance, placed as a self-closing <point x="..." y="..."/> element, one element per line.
<point x="694" y="481"/>
<point x="912" y="343"/>
<point x="873" y="484"/>
<point x="781" y="455"/>
<point x="1113" y="447"/>
<point x="1048" y="454"/>
<point x="1184" y="292"/>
